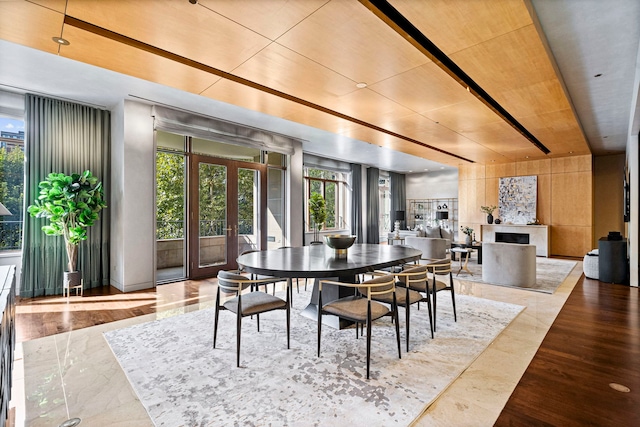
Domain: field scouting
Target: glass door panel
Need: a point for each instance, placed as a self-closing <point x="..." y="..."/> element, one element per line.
<point x="170" y="215"/>
<point x="228" y="205"/>
<point x="213" y="226"/>
<point x="248" y="209"/>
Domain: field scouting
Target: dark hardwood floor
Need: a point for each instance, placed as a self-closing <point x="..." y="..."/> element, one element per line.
<point x="594" y="342"/>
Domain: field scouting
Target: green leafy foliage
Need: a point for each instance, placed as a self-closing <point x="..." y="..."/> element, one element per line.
<point x="11" y="196"/>
<point x="317" y="212"/>
<point x="71" y="203"/>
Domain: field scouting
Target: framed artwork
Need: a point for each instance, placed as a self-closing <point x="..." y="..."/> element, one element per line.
<point x="517" y="199"/>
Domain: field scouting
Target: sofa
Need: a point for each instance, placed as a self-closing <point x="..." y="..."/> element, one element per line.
<point x="432" y="247"/>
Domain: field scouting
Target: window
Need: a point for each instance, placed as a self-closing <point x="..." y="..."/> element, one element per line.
<point x="331" y="186"/>
<point x="11" y="182"/>
<point x="384" y="206"/>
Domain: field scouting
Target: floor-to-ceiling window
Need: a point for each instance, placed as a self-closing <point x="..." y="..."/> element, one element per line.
<point x="276" y="217"/>
<point x="170" y="207"/>
<point x="384" y="206"/>
<point x="11" y="183"/>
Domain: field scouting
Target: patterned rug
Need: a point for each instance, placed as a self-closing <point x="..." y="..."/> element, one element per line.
<point x="182" y="381"/>
<point x="550" y="273"/>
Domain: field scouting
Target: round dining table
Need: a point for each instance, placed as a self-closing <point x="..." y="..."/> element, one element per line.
<point x="321" y="262"/>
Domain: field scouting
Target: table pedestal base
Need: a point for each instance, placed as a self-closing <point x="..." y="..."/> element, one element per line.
<point x="329" y="293"/>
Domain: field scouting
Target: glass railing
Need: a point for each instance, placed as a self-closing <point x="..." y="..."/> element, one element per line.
<point x="175" y="229"/>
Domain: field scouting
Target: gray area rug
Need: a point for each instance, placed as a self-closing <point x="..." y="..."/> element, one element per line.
<point x="182" y="381"/>
<point x="550" y="273"/>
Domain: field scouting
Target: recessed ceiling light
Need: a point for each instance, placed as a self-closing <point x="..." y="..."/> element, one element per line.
<point x="570" y="152"/>
<point x="598" y="75"/>
<point x="60" y="40"/>
<point x="526" y="157"/>
<point x="427" y="169"/>
<point x="441" y="167"/>
<point x="361" y="85"/>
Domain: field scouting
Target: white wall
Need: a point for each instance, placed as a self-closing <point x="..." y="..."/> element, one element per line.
<point x="432" y="185"/>
<point x="132" y="197"/>
<point x="295" y="197"/>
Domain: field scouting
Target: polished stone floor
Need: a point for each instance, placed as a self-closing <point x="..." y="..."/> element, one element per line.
<point x="74" y="374"/>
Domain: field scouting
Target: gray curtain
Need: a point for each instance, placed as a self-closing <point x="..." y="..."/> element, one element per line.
<point x="373" y="193"/>
<point x="63" y="137"/>
<point x="356" y="202"/>
<point x="398" y="191"/>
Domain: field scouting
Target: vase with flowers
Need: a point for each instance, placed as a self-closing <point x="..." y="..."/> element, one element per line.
<point x="468" y="231"/>
<point x="489" y="211"/>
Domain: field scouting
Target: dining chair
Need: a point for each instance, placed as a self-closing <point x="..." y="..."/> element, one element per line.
<point x="264" y="280"/>
<point x="246" y="304"/>
<point x="361" y="308"/>
<point x="412" y="287"/>
<point x="442" y="280"/>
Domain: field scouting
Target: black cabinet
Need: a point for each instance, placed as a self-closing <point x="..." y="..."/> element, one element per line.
<point x="612" y="260"/>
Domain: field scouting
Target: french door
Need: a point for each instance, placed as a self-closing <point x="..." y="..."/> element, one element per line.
<point x="227" y="208"/>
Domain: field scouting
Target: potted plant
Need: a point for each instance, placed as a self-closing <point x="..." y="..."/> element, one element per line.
<point x="71" y="203"/>
<point x="468" y="231"/>
<point x="489" y="211"/>
<point x="317" y="214"/>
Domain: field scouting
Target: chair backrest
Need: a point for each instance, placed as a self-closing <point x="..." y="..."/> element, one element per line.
<point x="379" y="285"/>
<point x="414" y="277"/>
<point x="440" y="267"/>
<point x="231" y="281"/>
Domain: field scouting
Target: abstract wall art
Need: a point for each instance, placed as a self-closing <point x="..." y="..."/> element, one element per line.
<point x="517" y="199"/>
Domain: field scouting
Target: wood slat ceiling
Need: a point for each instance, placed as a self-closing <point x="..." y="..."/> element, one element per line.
<point x="310" y="54"/>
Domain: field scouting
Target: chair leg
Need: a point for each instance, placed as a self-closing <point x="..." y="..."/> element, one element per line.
<point x="288" y="321"/>
<point x="258" y="321"/>
<point x="319" y="320"/>
<point x="238" y="333"/>
<point x="369" y="338"/>
<point x="395" y="315"/>
<point x="215" y="319"/>
<point x="431" y="317"/>
<point x="406" y="320"/>
<point x="435" y="305"/>
<point x="453" y="300"/>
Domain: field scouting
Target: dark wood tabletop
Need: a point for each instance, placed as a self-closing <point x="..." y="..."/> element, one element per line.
<point x="319" y="260"/>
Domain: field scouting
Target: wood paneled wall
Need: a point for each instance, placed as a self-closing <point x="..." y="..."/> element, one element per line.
<point x="565" y="198"/>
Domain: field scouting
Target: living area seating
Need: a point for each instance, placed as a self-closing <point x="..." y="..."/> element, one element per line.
<point x="509" y="264"/>
<point x="432" y="248"/>
<point x="591" y="265"/>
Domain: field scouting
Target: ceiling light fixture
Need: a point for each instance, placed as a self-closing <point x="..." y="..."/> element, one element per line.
<point x="61" y="41"/>
<point x="361" y="85"/>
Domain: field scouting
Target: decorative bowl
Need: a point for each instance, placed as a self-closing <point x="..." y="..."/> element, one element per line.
<point x="339" y="243"/>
